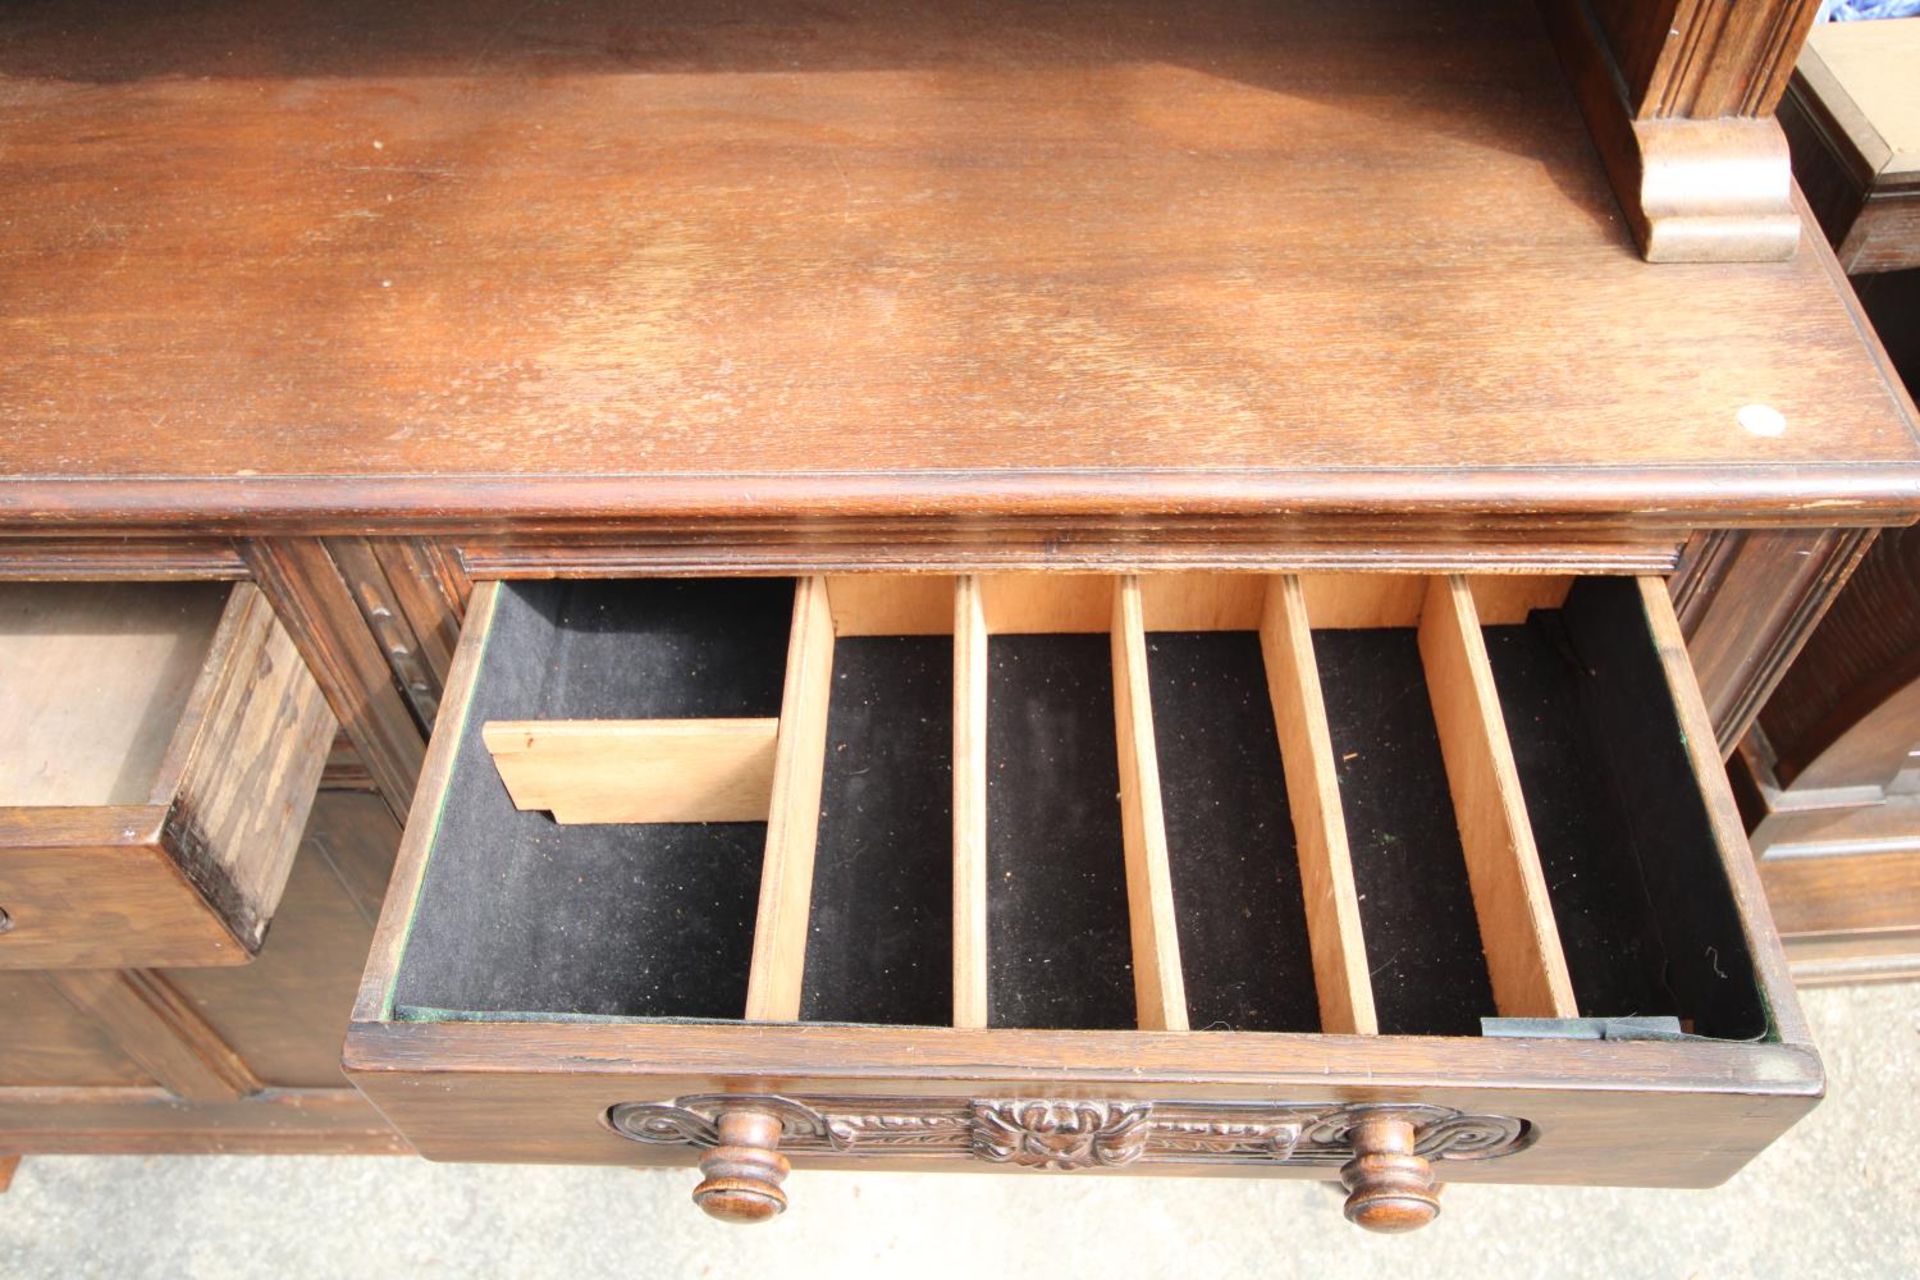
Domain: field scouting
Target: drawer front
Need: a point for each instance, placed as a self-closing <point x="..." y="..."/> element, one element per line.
<point x="1389" y="878"/>
<point x="164" y="745"/>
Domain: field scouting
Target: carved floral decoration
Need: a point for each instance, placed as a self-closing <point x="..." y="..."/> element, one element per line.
<point x="1067" y="1134"/>
<point x="1040" y="1134"/>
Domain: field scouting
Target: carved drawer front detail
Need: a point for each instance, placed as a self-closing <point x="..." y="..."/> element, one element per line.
<point x="1061" y="1135"/>
<point x="1044" y="1133"/>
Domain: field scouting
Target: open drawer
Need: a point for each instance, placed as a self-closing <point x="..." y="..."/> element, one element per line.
<point x="161" y="747"/>
<point x="1386" y="878"/>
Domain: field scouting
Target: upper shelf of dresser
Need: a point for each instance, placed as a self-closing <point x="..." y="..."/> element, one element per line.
<point x="487" y="261"/>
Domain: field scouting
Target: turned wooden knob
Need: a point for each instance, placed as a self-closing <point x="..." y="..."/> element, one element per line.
<point x="741" y="1176"/>
<point x="1389" y="1187"/>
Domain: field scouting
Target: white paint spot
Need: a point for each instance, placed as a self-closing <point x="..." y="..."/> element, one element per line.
<point x="379" y="145"/>
<point x="388" y="284"/>
<point x="1763" y="420"/>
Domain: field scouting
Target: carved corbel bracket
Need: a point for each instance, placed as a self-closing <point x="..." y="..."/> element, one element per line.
<point x="1714" y="191"/>
<point x="1681" y="111"/>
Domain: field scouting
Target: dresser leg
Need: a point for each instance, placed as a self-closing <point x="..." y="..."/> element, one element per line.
<point x="7" y="1165"/>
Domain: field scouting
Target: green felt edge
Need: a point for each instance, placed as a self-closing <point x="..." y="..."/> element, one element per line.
<point x="458" y="729"/>
<point x="428" y="1013"/>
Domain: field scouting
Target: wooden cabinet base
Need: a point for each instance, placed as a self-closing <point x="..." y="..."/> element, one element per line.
<point x="1829" y="780"/>
<point x="1852" y="121"/>
<point x="1844" y="880"/>
<point x="163" y="744"/>
<point x="1849" y="959"/>
<point x="233" y="1059"/>
<point x="153" y="1121"/>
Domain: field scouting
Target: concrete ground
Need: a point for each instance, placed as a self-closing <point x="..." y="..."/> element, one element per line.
<point x="1838" y="1197"/>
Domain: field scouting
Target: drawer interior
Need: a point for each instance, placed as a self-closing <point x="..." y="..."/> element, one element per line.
<point x="527" y="915"/>
<point x="1323" y="803"/>
<point x="94" y="681"/>
<point x="163" y="743"/>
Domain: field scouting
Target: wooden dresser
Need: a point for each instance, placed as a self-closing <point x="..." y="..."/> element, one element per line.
<point x="979" y="585"/>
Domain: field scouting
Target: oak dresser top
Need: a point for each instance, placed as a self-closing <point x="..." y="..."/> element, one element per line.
<point x="390" y="266"/>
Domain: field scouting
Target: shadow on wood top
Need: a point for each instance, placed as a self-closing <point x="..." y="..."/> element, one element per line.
<point x="920" y="258"/>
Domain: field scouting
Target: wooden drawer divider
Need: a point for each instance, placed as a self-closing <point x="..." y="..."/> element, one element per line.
<point x="719" y="770"/>
<point x="1368" y="823"/>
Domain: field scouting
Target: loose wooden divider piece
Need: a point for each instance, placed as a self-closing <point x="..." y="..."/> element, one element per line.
<point x="793" y="818"/>
<point x="969" y="805"/>
<point x="637" y="770"/>
<point x="1160" y="994"/>
<point x="1340" y="971"/>
<point x="1525" y="963"/>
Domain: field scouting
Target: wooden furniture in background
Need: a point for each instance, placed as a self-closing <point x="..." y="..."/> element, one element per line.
<point x="1852" y="115"/>
<point x="368" y="304"/>
<point x="1830" y="779"/>
<point x="1827" y="777"/>
<point x="217" y="1059"/>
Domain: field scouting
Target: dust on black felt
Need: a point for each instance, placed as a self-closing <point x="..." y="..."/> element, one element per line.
<point x="880" y="931"/>
<point x="1599" y="901"/>
<point x="520" y="915"/>
<point x="1416" y="906"/>
<point x="1694" y="934"/>
<point x="1058" y="948"/>
<point x="1244" y="949"/>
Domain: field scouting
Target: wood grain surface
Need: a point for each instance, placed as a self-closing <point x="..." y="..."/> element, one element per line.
<point x="51" y="1044"/>
<point x="167" y="745"/>
<point x="793" y="820"/>
<point x="484" y="263"/>
<point x="1697" y="59"/>
<point x="222" y="1059"/>
<point x="97" y="680"/>
<point x="637" y="770"/>
<point x="1341" y="976"/>
<point x="1676" y="1114"/>
<point x="970" y="669"/>
<point x="1858" y="894"/>
<point x="285" y="1013"/>
<point x="158" y="1028"/>
<point x="1844" y="712"/>
<point x="1747" y="601"/>
<point x="1524" y="957"/>
<point x="1160" y="992"/>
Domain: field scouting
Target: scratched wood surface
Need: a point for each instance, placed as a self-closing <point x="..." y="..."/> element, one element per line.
<point x="923" y="257"/>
